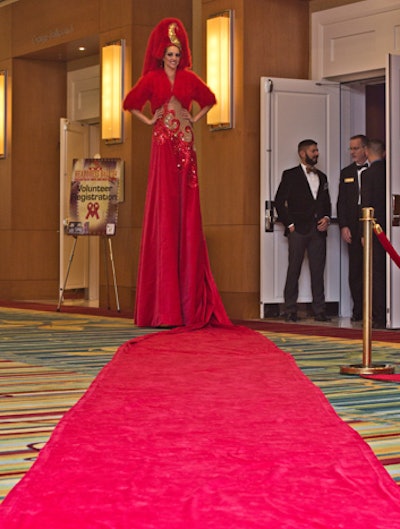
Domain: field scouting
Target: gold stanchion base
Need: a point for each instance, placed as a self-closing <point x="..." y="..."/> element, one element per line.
<point x="374" y="369"/>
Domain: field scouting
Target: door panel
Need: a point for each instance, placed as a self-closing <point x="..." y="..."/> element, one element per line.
<point x="74" y="140"/>
<point x="84" y="94"/>
<point x="393" y="184"/>
<point x="292" y="110"/>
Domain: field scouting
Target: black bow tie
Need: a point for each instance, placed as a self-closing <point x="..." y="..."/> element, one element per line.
<point x="364" y="166"/>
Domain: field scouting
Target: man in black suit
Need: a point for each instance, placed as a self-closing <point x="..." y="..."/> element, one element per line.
<point x="373" y="195"/>
<point x="304" y="207"/>
<point x="349" y="213"/>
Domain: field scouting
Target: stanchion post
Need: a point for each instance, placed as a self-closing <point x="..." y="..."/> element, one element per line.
<point x="367" y="367"/>
<point x="367" y="219"/>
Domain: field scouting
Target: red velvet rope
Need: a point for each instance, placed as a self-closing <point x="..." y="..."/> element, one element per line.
<point x="386" y="244"/>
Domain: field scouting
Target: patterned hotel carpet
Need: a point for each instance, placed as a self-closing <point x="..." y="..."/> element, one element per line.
<point x="48" y="359"/>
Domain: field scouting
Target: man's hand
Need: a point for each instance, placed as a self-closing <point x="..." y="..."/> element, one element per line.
<point x="323" y="224"/>
<point x="346" y="234"/>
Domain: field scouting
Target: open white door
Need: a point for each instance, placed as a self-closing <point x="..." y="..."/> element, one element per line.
<point x="74" y="142"/>
<point x="293" y="110"/>
<point x="393" y="185"/>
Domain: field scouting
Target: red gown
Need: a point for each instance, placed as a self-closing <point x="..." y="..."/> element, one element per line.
<point x="175" y="285"/>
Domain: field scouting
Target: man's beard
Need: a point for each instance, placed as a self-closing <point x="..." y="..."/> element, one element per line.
<point x="311" y="161"/>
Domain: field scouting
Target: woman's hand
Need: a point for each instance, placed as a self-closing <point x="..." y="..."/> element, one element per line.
<point x="187" y="115"/>
<point x="194" y="119"/>
<point x="157" y="115"/>
<point x="145" y="119"/>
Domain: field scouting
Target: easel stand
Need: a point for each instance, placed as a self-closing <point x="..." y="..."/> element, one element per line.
<point x="71" y="257"/>
<point x="113" y="273"/>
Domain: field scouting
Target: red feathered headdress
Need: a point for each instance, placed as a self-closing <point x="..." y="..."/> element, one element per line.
<point x="168" y="32"/>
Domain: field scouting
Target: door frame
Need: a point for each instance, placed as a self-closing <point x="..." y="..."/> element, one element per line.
<point x="392" y="185"/>
<point x="292" y="107"/>
<point x="85" y="262"/>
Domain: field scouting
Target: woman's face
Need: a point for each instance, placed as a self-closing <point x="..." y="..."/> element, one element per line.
<point x="172" y="57"/>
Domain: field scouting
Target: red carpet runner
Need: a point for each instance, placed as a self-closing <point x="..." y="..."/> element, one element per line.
<point x="384" y="378"/>
<point x="210" y="429"/>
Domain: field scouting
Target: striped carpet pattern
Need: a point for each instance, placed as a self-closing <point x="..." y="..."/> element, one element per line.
<point x="48" y="359"/>
<point x="371" y="407"/>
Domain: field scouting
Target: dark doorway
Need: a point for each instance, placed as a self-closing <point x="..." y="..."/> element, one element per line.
<point x="375" y="111"/>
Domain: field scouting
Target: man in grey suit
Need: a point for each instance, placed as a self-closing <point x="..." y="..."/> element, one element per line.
<point x="304" y="207"/>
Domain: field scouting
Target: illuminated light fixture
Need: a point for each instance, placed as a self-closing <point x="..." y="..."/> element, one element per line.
<point x="112" y="63"/>
<point x="3" y="113"/>
<point x="219" y="69"/>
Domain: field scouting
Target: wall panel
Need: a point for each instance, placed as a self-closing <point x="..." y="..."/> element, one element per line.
<point x="35" y="170"/>
<point x="5" y="33"/>
<point x="35" y="142"/>
<point x="41" y="25"/>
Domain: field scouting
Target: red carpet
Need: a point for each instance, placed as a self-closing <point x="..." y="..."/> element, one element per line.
<point x="210" y="429"/>
<point x="384" y="378"/>
<point x="355" y="333"/>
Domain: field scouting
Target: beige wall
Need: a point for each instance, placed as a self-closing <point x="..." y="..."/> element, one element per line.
<point x="321" y="5"/>
<point x="271" y="38"/>
<point x="230" y="159"/>
<point x="31" y="34"/>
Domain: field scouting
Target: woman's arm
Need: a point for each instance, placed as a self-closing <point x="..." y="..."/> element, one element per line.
<point x="194" y="119"/>
<point x="145" y="119"/>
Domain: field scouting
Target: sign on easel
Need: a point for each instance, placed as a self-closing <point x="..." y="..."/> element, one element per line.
<point x="95" y="195"/>
<point x="96" y="190"/>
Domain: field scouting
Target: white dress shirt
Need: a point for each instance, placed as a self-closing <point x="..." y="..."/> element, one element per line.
<point x="313" y="180"/>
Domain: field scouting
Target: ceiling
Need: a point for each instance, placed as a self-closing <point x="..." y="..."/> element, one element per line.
<point x="68" y="51"/>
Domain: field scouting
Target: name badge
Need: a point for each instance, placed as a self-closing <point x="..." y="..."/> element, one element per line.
<point x="348" y="180"/>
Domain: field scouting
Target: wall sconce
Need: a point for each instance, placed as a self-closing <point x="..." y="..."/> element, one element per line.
<point x="219" y="69"/>
<point x="3" y="113"/>
<point x="112" y="84"/>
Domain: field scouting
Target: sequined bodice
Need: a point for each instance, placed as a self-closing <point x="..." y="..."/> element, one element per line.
<point x="174" y="121"/>
<point x="176" y="132"/>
